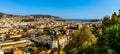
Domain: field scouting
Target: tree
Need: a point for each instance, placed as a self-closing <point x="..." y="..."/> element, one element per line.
<point x="81" y="42"/>
<point x="106" y="21"/>
<point x="111" y="35"/>
<point x="97" y="31"/>
<point x="16" y="39"/>
<point x="119" y="13"/>
<point x="114" y="18"/>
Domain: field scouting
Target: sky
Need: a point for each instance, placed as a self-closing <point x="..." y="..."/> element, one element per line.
<point x="69" y="9"/>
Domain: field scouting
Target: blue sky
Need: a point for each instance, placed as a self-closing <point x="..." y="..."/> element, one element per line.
<point x="63" y="8"/>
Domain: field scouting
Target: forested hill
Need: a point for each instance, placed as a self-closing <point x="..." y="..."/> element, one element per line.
<point x="44" y="16"/>
<point x="35" y="15"/>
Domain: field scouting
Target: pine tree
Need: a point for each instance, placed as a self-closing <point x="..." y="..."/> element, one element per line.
<point x="106" y="21"/>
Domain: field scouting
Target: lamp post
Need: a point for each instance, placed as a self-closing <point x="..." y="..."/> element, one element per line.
<point x="58" y="47"/>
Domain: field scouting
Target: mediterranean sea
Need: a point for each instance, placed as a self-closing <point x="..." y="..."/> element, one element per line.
<point x="85" y="20"/>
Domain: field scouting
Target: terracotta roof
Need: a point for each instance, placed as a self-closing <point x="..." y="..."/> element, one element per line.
<point x="60" y="36"/>
<point x="14" y="34"/>
<point x="34" y="48"/>
<point x="43" y="52"/>
<point x="24" y="33"/>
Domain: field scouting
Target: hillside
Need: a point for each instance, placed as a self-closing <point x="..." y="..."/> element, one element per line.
<point x="34" y="16"/>
<point x="1" y="14"/>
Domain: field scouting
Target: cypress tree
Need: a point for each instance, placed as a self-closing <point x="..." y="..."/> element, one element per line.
<point x="114" y="19"/>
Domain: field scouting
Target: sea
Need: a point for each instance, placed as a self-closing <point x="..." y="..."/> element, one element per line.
<point x="85" y="20"/>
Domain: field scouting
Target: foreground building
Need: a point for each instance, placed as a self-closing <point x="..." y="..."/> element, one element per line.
<point x="1" y="51"/>
<point x="17" y="51"/>
<point x="10" y="45"/>
<point x="52" y="43"/>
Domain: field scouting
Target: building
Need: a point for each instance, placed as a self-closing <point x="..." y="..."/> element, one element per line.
<point x="2" y="37"/>
<point x="17" y="51"/>
<point x="64" y="28"/>
<point x="41" y="26"/>
<point x="2" y="31"/>
<point x="61" y="52"/>
<point x="10" y="45"/>
<point x="1" y="51"/>
<point x="15" y="35"/>
<point x="43" y="52"/>
<point x="49" y="51"/>
<point x="79" y="26"/>
<point x="69" y="32"/>
<point x="62" y="42"/>
<point x="52" y="43"/>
